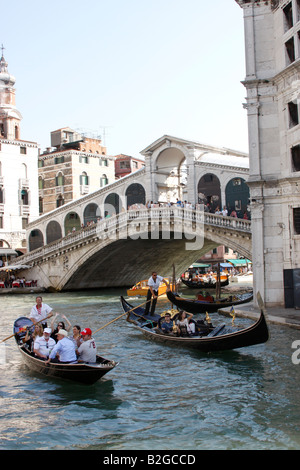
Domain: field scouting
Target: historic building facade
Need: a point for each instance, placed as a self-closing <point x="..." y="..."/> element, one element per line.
<point x="75" y="165"/>
<point x="18" y="172"/>
<point x="272" y="49"/>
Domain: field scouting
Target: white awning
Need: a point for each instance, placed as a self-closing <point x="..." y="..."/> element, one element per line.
<point x="15" y="267"/>
<point x="7" y="251"/>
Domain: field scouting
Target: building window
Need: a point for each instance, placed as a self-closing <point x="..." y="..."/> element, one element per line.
<point x="84" y="179"/>
<point x="41" y="205"/>
<point x="295" y="153"/>
<point x="59" y="179"/>
<point x="58" y="160"/>
<point x="1" y="196"/>
<point x="60" y="201"/>
<point x="288" y="17"/>
<point x="83" y="159"/>
<point x="24" y="197"/>
<point x="125" y="164"/>
<point x="103" y="181"/>
<point x="1" y="221"/>
<point x="103" y="162"/>
<point x="40" y="163"/>
<point x="24" y="222"/>
<point x="296" y="214"/>
<point x="293" y="114"/>
<point x="23" y="150"/>
<point x="290" y="51"/>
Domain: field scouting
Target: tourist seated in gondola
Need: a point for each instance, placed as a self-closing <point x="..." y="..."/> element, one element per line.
<point x="64" y="350"/>
<point x="32" y="336"/>
<point x="182" y="323"/>
<point x="167" y="325"/>
<point x="60" y="325"/>
<point x="87" y="351"/>
<point x="43" y="345"/>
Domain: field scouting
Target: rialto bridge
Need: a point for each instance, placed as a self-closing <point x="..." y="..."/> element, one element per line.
<point x="111" y="237"/>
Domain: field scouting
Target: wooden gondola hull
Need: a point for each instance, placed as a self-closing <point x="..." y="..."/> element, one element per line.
<point x="199" y="306"/>
<point x="79" y="372"/>
<point x="254" y="334"/>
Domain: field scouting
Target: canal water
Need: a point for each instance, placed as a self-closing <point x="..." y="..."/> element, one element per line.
<point x="157" y="398"/>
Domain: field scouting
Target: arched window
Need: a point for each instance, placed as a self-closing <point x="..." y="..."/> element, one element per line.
<point x="59" y="179"/>
<point x="103" y="181"/>
<point x="84" y="179"/>
<point x="24" y="197"/>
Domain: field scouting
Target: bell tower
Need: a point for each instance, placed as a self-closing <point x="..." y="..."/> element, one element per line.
<point x="10" y="117"/>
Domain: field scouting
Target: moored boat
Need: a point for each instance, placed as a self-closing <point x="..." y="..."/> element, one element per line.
<point x="207" y="304"/>
<point x="219" y="338"/>
<point x="141" y="288"/>
<point x="205" y="281"/>
<point x="86" y="373"/>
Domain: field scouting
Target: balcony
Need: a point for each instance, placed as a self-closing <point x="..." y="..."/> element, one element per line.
<point x="24" y="183"/>
<point x="24" y="210"/>
<point x="59" y="190"/>
<point x="84" y="189"/>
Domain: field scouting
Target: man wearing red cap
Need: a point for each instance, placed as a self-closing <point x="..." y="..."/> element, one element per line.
<point x="87" y="350"/>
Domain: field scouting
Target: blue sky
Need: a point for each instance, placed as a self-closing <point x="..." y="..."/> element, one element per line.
<point x="140" y="69"/>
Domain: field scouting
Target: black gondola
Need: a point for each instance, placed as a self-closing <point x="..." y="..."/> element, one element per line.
<point x="210" y="284"/>
<point x="79" y="372"/>
<point x="220" y="338"/>
<point x="210" y="306"/>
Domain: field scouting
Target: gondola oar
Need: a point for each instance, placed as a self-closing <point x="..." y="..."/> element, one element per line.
<point x="11" y="336"/>
<point x="126" y="313"/>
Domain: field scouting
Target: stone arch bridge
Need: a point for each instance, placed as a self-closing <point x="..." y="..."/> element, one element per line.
<point x="126" y="247"/>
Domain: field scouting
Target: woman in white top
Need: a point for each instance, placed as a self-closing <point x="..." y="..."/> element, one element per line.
<point x="182" y="323"/>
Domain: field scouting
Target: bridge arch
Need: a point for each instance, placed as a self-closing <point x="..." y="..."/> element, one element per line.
<point x="237" y="195"/>
<point x="91" y="213"/>
<point x="170" y="174"/>
<point x="209" y="191"/>
<point x="35" y="240"/>
<point x="53" y="231"/>
<point x="135" y="194"/>
<point x="72" y="222"/>
<point x="112" y="204"/>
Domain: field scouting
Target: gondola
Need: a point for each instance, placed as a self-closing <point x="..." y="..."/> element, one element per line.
<point x="219" y="338"/>
<point x="205" y="283"/>
<point x="79" y="372"/>
<point x="210" y="305"/>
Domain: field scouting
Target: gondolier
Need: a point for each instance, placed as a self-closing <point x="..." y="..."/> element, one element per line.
<point x="40" y="312"/>
<point x="153" y="283"/>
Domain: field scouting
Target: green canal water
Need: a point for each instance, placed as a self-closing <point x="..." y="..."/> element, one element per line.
<point x="157" y="398"/>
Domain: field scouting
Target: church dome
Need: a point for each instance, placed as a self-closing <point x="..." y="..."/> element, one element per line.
<point x="5" y="78"/>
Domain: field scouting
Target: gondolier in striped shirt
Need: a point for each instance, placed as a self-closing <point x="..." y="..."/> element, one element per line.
<point x="40" y="312"/>
<point x="153" y="283"/>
